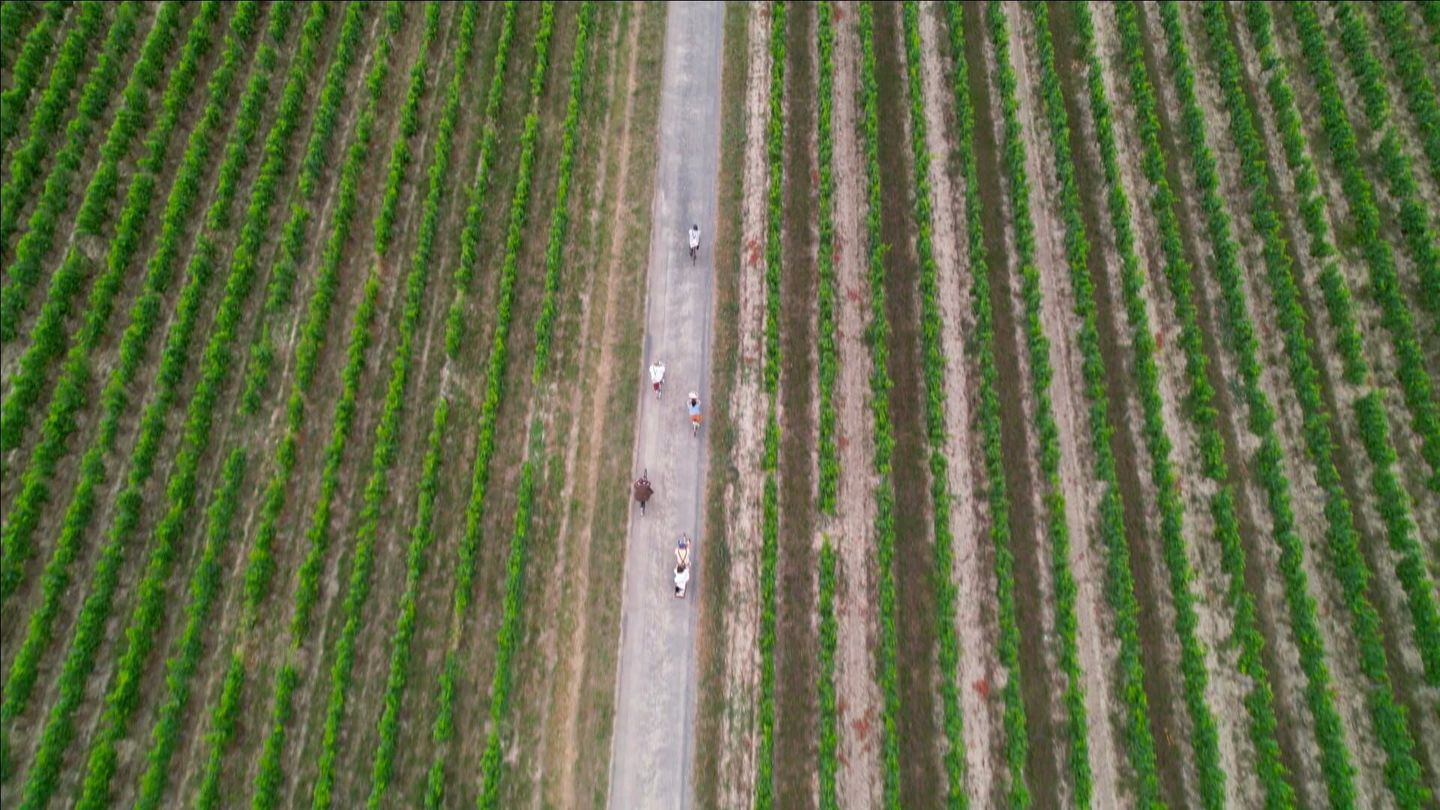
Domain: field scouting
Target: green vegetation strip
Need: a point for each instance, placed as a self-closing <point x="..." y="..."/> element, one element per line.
<point x="770" y="520"/>
<point x="293" y="242"/>
<point x="1393" y="502"/>
<point x="1016" y="742"/>
<point x="827" y="699"/>
<point x="69" y="395"/>
<point x="71" y="391"/>
<point x="260" y="569"/>
<point x="79" y="662"/>
<point x="25" y="71"/>
<point x="149" y="611"/>
<point x="878" y="338"/>
<point x="443" y="727"/>
<point x="508" y="638"/>
<point x="1402" y="771"/>
<point x="145" y="315"/>
<point x="1384" y="286"/>
<point x="933" y="354"/>
<point x="387" y="433"/>
<point x="27" y="161"/>
<point x="1120" y="590"/>
<point x="148" y="614"/>
<point x="400" y="155"/>
<point x="829" y="360"/>
<point x="421" y="538"/>
<point x="1260" y="699"/>
<point x="50" y="205"/>
<point x="829" y="725"/>
<point x="1395" y="164"/>
<point x="1419" y="91"/>
<point x="1268" y="459"/>
<point x="13" y="19"/>
<point x="474" y="212"/>
<point x="47" y="335"/>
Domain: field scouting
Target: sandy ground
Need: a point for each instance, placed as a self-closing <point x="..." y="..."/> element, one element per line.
<point x="858" y="696"/>
<point x="975" y="618"/>
<point x="652" y="751"/>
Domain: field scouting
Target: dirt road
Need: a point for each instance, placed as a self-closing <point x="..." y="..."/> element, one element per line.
<point x="650" y="760"/>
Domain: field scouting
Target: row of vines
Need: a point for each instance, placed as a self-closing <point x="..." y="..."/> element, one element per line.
<point x="770" y="519"/>
<point x="443" y="726"/>
<point x="933" y="356"/>
<point x="829" y="371"/>
<point x="878" y="338"/>
<point x="1201" y="414"/>
<point x="24" y="668"/>
<point x="1402" y="771"/>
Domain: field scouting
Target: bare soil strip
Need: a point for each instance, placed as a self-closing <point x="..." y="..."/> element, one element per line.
<point x="918" y="729"/>
<point x="562" y="771"/>
<point x="1022" y="476"/>
<point x="796" y="647"/>
<point x="858" y="696"/>
<point x="975" y="617"/>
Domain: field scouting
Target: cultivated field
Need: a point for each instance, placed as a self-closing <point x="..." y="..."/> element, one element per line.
<point x="1072" y="404"/>
<point x="1098" y="345"/>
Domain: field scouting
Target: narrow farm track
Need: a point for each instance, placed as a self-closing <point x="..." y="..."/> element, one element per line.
<point x="651" y="758"/>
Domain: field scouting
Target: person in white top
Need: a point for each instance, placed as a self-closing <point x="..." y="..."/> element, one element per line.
<point x="694" y="242"/>
<point x="682" y="565"/>
<point x="657" y="376"/>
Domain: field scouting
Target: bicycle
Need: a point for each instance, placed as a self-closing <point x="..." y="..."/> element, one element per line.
<point x="695" y="416"/>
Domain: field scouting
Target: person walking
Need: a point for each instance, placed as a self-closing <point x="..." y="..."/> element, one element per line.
<point x="642" y="490"/>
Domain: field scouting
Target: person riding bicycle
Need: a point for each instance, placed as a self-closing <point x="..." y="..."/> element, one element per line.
<point x="694" y="406"/>
<point x="657" y="376"/>
<point x="682" y="565"/>
<point x="694" y="241"/>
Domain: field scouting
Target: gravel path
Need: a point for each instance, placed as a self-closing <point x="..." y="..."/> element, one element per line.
<point x="650" y="761"/>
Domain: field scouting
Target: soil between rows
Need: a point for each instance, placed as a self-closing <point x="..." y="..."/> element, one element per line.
<point x="795" y="648"/>
<point x="921" y="784"/>
<point x="1035" y="672"/>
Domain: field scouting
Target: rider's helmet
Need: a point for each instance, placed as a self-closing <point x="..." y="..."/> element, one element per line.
<point x="694" y="396"/>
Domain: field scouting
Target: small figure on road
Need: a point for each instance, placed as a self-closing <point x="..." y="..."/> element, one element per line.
<point x="694" y="414"/>
<point x="682" y="565"/>
<point x="643" y="490"/>
<point x="694" y="242"/>
<point x="657" y="376"/>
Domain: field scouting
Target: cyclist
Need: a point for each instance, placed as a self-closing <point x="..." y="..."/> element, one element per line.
<point x="657" y="376"/>
<point x="694" y="413"/>
<point x="694" y="242"/>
